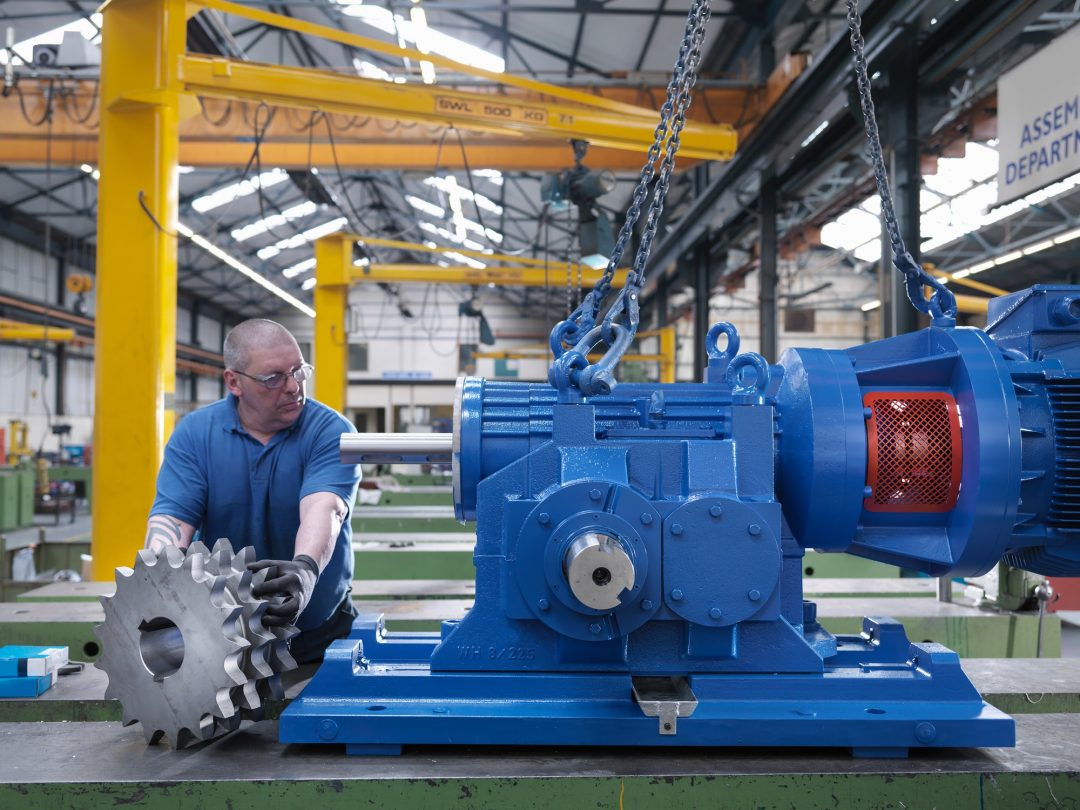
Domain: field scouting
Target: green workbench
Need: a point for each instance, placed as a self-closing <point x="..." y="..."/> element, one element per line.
<point x="91" y="765"/>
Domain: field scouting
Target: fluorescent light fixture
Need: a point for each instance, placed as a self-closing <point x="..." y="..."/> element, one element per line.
<point x="426" y="207"/>
<point x="493" y="176"/>
<point x="310" y="235"/>
<point x="981" y="266"/>
<point x="1067" y="237"/>
<point x="185" y="169"/>
<point x="406" y="30"/>
<point x="309" y="283"/>
<point x="363" y="261"/>
<point x="869" y="306"/>
<point x="1008" y="257"/>
<point x="242" y="268"/>
<point x="274" y="221"/>
<point x="420" y="28"/>
<point x="813" y="135"/>
<point x="368" y="70"/>
<point x="962" y="273"/>
<point x="232" y="191"/>
<point x="298" y="268"/>
<point x="469" y="261"/>
<point x="449" y="185"/>
<point x="90" y="170"/>
<point x="596" y="261"/>
<point x="1039" y="246"/>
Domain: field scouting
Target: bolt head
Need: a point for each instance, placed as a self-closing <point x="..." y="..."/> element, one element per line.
<point x="646" y="519"/>
<point x="595" y="628"/>
<point x="594" y="494"/>
<point x="925" y="732"/>
<point x="868" y="492"/>
<point x="676" y="594"/>
<point x="646" y="604"/>
<point x="715" y="613"/>
<point x="543" y="518"/>
<point x="753" y="594"/>
<point x="716" y="511"/>
<point x="754" y="529"/>
<point x="543" y="604"/>
<point x="867" y="413"/>
<point x="328" y="730"/>
<point x="676" y="529"/>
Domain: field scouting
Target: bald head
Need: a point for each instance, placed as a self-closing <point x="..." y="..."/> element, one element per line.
<point x="253" y="334"/>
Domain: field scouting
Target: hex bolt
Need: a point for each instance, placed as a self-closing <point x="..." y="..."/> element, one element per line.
<point x="595" y="629"/>
<point x="716" y="511"/>
<point x="754" y="529"/>
<point x="676" y="529"/>
<point x="867" y="413"/>
<point x="715" y="613"/>
<point x="594" y="494"/>
<point x="868" y="492"/>
<point x="543" y="518"/>
<point x="543" y="604"/>
<point x="646" y="519"/>
<point x="646" y="604"/>
<point x="676" y="594"/>
<point x="753" y="594"/>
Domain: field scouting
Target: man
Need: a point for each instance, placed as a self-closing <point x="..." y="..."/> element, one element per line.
<point x="261" y="467"/>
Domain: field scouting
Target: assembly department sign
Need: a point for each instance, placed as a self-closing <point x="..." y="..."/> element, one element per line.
<point x="1039" y="119"/>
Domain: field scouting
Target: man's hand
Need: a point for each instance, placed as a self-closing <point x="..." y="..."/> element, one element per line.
<point x="294" y="579"/>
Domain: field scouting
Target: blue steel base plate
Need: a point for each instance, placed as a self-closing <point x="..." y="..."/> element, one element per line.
<point x="375" y="693"/>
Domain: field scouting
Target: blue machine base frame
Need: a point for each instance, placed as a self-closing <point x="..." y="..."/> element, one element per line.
<point x="879" y="696"/>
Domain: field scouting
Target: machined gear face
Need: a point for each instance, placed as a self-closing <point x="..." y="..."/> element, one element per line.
<point x="184" y="645"/>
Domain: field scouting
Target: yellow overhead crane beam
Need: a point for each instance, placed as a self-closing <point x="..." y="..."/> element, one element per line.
<point x="335" y="273"/>
<point x="150" y="84"/>
<point x="463" y="274"/>
<point x="665" y="357"/>
<point x="17" y="330"/>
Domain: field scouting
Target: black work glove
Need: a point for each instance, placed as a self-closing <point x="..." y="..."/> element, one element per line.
<point x="293" y="579"/>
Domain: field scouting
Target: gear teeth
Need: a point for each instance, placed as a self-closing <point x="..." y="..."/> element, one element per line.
<point x="198" y="547"/>
<point x="174" y="556"/>
<point x="196" y="591"/>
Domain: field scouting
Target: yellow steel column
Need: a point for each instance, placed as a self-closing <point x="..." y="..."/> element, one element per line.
<point x="667" y="354"/>
<point x="333" y="266"/>
<point x="135" y="357"/>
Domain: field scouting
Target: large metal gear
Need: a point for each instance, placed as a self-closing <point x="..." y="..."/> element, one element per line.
<point x="184" y="645"/>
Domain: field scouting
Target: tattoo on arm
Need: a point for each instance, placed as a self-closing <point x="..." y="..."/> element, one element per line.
<point x="161" y="531"/>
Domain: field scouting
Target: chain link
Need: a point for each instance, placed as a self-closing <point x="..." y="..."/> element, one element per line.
<point x="666" y="140"/>
<point x="942" y="305"/>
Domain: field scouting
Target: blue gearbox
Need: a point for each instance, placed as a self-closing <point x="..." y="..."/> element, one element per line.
<point x="639" y="554"/>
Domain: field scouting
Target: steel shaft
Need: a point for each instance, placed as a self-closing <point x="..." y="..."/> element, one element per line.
<point x="396" y="448"/>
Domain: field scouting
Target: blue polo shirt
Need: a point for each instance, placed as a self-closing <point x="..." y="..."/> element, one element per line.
<point x="226" y="483"/>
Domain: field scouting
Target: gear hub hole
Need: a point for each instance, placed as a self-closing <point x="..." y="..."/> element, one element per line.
<point x="601" y="576"/>
<point x="162" y="646"/>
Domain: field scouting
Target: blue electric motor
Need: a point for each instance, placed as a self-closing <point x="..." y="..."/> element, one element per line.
<point x="639" y="554"/>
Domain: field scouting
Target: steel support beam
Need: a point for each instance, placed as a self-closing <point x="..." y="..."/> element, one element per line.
<point x="767" y="252"/>
<point x="701" y="276"/>
<point x="901" y="139"/>
<point x="333" y="269"/>
<point x="135" y="361"/>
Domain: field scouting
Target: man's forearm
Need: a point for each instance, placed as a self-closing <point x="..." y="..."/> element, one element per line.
<point x="165" y="530"/>
<point x="321" y="516"/>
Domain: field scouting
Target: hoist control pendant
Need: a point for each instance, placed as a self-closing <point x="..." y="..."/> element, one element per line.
<point x="639" y="554"/>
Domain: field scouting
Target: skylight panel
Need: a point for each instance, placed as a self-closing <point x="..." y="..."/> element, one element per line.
<point x="274" y="221"/>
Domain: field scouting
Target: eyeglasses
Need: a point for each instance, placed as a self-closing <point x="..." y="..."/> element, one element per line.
<point x="302" y="373"/>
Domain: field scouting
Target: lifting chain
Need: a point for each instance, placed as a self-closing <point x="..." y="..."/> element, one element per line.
<point x="574" y="338"/>
<point x="941" y="306"/>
